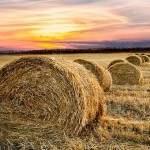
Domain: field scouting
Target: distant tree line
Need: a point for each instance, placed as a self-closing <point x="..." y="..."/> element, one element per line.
<point x="72" y="51"/>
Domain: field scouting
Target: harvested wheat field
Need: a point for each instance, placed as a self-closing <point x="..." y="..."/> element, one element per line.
<point x="52" y="103"/>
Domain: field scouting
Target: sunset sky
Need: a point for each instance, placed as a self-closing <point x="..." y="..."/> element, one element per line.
<point x="47" y="24"/>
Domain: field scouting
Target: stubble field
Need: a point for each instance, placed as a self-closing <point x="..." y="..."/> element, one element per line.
<point x="126" y="124"/>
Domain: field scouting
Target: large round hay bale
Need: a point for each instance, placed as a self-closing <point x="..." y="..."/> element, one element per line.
<point x="126" y="74"/>
<point x="63" y="94"/>
<point x="114" y="62"/>
<point x="146" y="58"/>
<point x="135" y="60"/>
<point x="103" y="76"/>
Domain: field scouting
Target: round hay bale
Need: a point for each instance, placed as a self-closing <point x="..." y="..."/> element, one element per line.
<point x="114" y="62"/>
<point x="135" y="60"/>
<point x="146" y="58"/>
<point x="52" y="91"/>
<point x="126" y="74"/>
<point x="103" y="76"/>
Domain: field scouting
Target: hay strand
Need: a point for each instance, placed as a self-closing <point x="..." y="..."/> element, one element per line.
<point x="103" y="76"/>
<point x="62" y="94"/>
<point x="126" y="74"/>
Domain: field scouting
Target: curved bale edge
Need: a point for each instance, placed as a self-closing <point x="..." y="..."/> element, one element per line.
<point x="143" y="60"/>
<point x="126" y="74"/>
<point x="146" y="58"/>
<point x="134" y="59"/>
<point x="52" y="91"/>
<point x="114" y="62"/>
<point x="102" y="75"/>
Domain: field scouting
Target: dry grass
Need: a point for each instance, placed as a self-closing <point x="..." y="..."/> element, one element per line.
<point x="103" y="76"/>
<point x="125" y="127"/>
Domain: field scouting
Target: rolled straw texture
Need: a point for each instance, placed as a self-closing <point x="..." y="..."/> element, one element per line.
<point x="126" y="74"/>
<point x="103" y="76"/>
<point x="114" y="62"/>
<point x="135" y="60"/>
<point x="61" y="93"/>
<point x="145" y="58"/>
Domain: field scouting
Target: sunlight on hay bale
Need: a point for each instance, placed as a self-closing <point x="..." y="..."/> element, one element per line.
<point x="146" y="58"/>
<point x="135" y="60"/>
<point x="126" y="74"/>
<point x="114" y="62"/>
<point x="62" y="93"/>
<point x="103" y="76"/>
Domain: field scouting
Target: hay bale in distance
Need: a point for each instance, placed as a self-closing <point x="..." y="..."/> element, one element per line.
<point x="143" y="60"/>
<point x="126" y="74"/>
<point x="135" y="60"/>
<point x="63" y="94"/>
<point x="114" y="62"/>
<point x="103" y="76"/>
<point x="146" y="58"/>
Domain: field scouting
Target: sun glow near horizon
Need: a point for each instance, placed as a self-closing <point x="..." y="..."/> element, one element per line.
<point x="46" y="24"/>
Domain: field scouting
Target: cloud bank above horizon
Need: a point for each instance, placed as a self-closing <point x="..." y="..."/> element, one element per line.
<point x="47" y="24"/>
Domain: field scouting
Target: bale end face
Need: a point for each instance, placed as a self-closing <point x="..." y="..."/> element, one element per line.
<point x="135" y="60"/>
<point x="126" y="74"/>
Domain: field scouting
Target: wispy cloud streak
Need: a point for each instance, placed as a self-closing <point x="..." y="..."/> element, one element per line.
<point x="38" y="24"/>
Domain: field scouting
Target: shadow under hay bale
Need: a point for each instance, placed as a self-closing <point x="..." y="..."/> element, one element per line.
<point x="103" y="76"/>
<point x="126" y="74"/>
<point x="61" y="93"/>
<point x="115" y="62"/>
<point x="146" y="58"/>
<point x="135" y="60"/>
